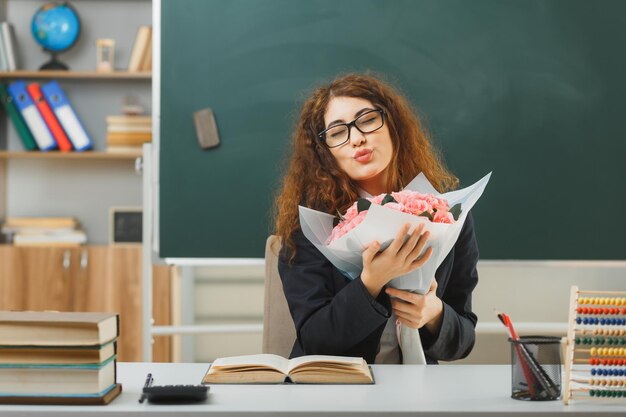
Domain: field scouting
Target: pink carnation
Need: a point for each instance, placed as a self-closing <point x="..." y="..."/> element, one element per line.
<point x="345" y="226"/>
<point x="351" y="213"/>
<point x="399" y="206"/>
<point x="418" y="206"/>
<point x="443" y="217"/>
<point x="406" y="201"/>
<point x="441" y="204"/>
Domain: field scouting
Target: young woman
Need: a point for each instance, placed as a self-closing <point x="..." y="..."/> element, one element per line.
<point x="355" y="137"/>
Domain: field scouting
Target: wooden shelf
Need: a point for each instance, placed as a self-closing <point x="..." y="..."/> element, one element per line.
<point x="68" y="155"/>
<point x="77" y="75"/>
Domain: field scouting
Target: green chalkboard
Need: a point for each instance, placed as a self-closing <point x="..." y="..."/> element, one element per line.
<point x="532" y="90"/>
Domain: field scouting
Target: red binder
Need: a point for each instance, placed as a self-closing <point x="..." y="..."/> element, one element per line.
<point x="51" y="120"/>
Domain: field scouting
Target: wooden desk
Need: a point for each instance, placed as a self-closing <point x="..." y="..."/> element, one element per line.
<point x="400" y="390"/>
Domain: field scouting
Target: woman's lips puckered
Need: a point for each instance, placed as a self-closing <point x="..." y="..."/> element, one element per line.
<point x="363" y="155"/>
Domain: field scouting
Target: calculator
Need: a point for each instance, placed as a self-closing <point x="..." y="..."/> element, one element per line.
<point x="173" y="394"/>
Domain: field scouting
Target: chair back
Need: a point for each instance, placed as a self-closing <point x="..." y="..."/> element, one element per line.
<point x="279" y="332"/>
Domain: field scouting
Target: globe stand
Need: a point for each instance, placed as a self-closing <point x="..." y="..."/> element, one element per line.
<point x="54" y="64"/>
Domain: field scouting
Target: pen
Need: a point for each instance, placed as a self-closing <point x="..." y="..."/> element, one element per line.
<point x="147" y="384"/>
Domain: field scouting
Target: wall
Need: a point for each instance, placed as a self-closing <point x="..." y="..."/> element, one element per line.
<point x="226" y="295"/>
<point x="535" y="294"/>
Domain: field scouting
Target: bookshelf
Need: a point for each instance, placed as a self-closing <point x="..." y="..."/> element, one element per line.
<point x="119" y="184"/>
<point x="80" y="184"/>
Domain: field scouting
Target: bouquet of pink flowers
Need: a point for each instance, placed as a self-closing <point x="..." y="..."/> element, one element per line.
<point x="436" y="209"/>
<point x="380" y="217"/>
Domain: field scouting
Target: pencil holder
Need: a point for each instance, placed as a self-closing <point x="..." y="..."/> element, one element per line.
<point x="536" y="368"/>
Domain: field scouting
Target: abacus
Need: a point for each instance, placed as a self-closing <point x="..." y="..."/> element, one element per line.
<point x="595" y="358"/>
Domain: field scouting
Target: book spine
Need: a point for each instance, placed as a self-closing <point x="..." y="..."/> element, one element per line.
<point x="31" y="116"/>
<point x="128" y="120"/>
<point x="141" y="42"/>
<point x="9" y="45"/>
<point x="3" y="54"/>
<point x="128" y="139"/>
<point x="41" y="221"/>
<point x="18" y="122"/>
<point x="49" y="117"/>
<point x="67" y="116"/>
<point x="129" y="129"/>
<point x="146" y="59"/>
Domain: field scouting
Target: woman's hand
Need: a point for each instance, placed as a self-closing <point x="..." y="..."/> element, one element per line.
<point x="401" y="257"/>
<point x="418" y="310"/>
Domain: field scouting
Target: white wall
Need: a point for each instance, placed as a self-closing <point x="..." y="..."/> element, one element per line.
<point x="226" y="295"/>
<point x="535" y="294"/>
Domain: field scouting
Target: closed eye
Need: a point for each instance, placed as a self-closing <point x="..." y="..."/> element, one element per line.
<point x="368" y="119"/>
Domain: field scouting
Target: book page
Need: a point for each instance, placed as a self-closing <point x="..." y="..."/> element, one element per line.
<point x="247" y="361"/>
<point x="355" y="362"/>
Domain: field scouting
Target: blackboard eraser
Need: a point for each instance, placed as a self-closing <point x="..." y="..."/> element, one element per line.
<point x="206" y="128"/>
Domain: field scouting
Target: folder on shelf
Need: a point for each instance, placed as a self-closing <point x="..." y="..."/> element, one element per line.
<point x="32" y="117"/>
<point x="49" y="117"/>
<point x="67" y="116"/>
<point x="20" y="126"/>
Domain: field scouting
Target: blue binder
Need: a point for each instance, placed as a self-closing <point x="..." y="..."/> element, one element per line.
<point x="67" y="116"/>
<point x="35" y="122"/>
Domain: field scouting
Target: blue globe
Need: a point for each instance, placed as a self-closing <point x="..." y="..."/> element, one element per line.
<point x="55" y="26"/>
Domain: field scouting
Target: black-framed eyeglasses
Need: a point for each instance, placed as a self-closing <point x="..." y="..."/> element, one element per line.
<point x="368" y="122"/>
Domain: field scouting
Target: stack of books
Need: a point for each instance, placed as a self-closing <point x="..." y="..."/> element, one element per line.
<point x="44" y="231"/>
<point x="58" y="358"/>
<point x="43" y="117"/>
<point x="127" y="133"/>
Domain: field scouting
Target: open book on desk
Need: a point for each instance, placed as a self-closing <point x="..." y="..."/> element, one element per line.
<point x="274" y="369"/>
